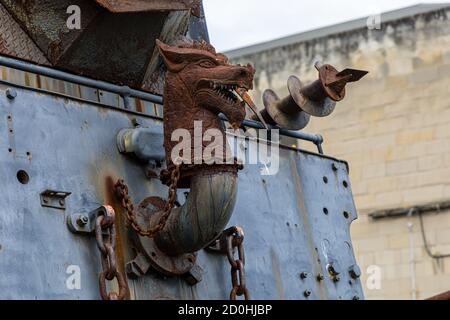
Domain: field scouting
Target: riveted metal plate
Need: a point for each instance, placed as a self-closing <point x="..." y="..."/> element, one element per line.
<point x="287" y="231"/>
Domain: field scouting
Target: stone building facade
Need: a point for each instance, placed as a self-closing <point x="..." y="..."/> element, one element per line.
<point x="393" y="129"/>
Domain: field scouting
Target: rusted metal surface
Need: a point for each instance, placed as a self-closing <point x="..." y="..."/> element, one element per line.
<point x="441" y="297"/>
<point x="205" y="213"/>
<point x="229" y="240"/>
<point x="168" y="265"/>
<point x="121" y="190"/>
<point x="121" y="6"/>
<point x="316" y="99"/>
<point x="201" y="91"/>
<point x="105" y="223"/>
<point x="45" y="22"/>
<point x="331" y="84"/>
<point x="109" y="51"/>
<point x="284" y="113"/>
<point x="200" y="84"/>
<point x="176" y="23"/>
<point x="15" y="42"/>
<point x="117" y="46"/>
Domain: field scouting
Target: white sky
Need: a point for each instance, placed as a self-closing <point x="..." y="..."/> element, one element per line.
<point x="238" y="23"/>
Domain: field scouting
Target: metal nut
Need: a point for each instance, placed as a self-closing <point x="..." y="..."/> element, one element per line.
<point x="82" y="220"/>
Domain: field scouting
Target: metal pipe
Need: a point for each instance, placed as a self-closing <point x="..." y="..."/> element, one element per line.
<point x="399" y="212"/>
<point x="201" y="219"/>
<point x="123" y="91"/>
<point x="317" y="139"/>
<point x="412" y="260"/>
<point x="126" y="92"/>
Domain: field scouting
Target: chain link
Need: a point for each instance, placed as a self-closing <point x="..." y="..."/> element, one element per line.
<point x="105" y="234"/>
<point x="234" y="239"/>
<point x="121" y="190"/>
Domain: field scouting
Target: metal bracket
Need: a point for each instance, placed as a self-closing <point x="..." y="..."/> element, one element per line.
<point x="54" y="199"/>
<point x="138" y="266"/>
<point x="84" y="222"/>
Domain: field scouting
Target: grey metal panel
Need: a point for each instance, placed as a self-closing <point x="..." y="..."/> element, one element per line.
<point x="71" y="147"/>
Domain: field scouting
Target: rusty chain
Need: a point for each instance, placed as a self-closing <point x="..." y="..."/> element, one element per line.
<point x="105" y="234"/>
<point x="234" y="238"/>
<point x="121" y="190"/>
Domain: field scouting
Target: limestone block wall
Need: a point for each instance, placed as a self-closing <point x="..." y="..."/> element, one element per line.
<point x="394" y="130"/>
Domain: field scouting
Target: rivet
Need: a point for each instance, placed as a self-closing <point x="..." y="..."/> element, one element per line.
<point x="303" y="275"/>
<point x="307" y="293"/>
<point x="11" y="93"/>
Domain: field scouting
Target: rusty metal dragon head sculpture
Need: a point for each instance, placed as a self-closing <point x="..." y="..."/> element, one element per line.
<point x="200" y="84"/>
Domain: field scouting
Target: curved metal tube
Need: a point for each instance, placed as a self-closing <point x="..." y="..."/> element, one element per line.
<point x="202" y="217"/>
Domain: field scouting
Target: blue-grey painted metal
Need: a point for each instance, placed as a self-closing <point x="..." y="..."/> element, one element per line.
<point x="52" y="142"/>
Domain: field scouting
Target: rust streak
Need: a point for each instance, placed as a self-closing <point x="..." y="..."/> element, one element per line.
<point x="122" y="6"/>
<point x="277" y="274"/>
<point x="121" y="239"/>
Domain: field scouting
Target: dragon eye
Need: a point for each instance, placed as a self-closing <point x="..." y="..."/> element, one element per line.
<point x="207" y="64"/>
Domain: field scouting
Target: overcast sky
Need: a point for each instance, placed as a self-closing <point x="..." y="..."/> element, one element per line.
<point x="238" y="23"/>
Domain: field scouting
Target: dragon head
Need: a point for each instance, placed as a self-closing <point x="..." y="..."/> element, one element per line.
<point x="207" y="80"/>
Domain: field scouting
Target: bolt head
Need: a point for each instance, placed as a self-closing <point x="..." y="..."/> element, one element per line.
<point x="11" y="94"/>
<point x="82" y="220"/>
<point x="354" y="271"/>
<point x="333" y="269"/>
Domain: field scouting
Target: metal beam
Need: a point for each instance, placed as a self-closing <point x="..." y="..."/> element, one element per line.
<point x="402" y="212"/>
